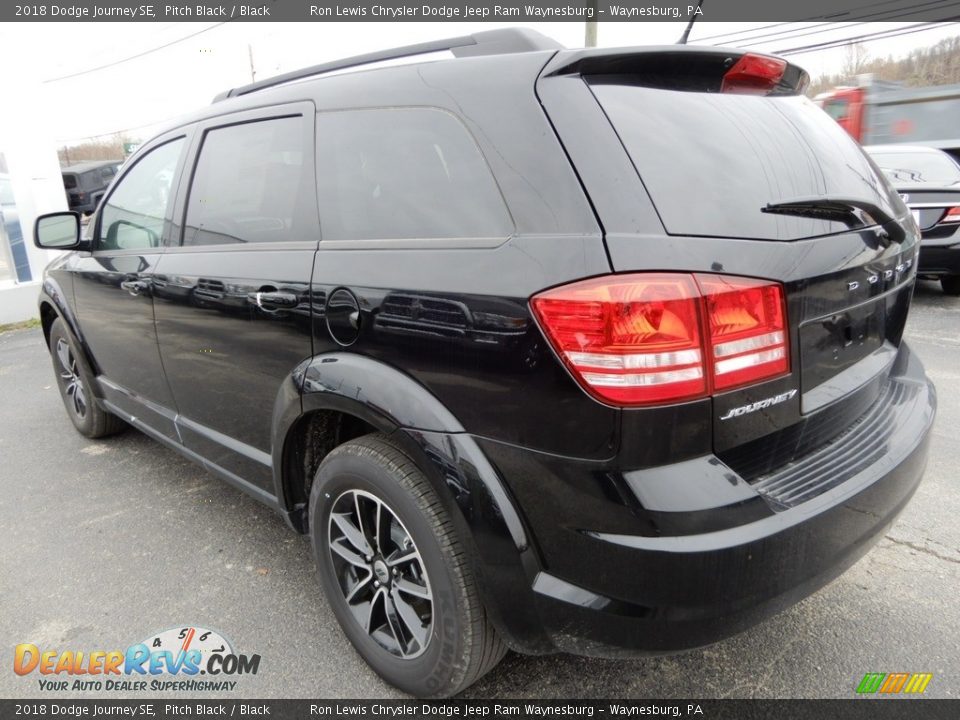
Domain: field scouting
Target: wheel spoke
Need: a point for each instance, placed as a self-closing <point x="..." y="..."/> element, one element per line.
<point x="347" y="554"/>
<point x="411" y="620"/>
<point x="352" y="533"/>
<point x="361" y="585"/>
<point x="411" y="588"/>
<point x="393" y="623"/>
<point x="361" y="525"/>
<point x="363" y="612"/>
<point x="403" y="557"/>
<point x="63" y="353"/>
<point x="80" y="398"/>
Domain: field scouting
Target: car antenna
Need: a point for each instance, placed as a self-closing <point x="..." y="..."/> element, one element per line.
<point x="686" y="33"/>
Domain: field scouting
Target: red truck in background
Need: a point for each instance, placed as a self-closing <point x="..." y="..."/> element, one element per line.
<point x="877" y="112"/>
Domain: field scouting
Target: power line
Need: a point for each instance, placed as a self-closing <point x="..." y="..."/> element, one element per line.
<point x="847" y="26"/>
<point x="909" y="30"/>
<point x="901" y="11"/>
<point x="134" y="57"/>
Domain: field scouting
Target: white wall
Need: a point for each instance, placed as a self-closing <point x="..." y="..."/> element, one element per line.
<point x="34" y="170"/>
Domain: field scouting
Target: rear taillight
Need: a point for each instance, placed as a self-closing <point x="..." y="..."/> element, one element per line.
<point x="747" y="329"/>
<point x="662" y="337"/>
<point x="753" y="75"/>
<point x="952" y="216"/>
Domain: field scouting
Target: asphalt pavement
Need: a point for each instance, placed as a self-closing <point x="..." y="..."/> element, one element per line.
<point x="105" y="543"/>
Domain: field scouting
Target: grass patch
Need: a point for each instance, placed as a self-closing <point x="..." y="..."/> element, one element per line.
<point x="25" y="325"/>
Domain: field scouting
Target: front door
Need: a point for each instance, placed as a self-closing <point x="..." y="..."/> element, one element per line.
<point x="113" y="286"/>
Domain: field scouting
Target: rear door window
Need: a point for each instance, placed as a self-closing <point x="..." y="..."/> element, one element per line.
<point x="251" y="185"/>
<point x="404" y="173"/>
<point x="712" y="161"/>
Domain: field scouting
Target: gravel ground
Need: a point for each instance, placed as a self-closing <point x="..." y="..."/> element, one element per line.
<point x="106" y="542"/>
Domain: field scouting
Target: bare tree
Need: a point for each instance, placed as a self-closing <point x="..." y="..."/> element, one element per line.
<point x="854" y="61"/>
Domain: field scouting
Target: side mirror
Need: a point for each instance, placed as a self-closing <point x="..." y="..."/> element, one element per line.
<point x="57" y="231"/>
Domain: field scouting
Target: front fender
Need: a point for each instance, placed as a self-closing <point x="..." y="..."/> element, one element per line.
<point x="54" y="294"/>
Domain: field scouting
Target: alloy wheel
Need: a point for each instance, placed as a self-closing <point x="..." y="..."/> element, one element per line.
<point x="380" y="573"/>
<point x="73" y="384"/>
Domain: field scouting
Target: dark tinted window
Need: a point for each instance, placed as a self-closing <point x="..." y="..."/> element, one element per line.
<point x="133" y="215"/>
<point x="711" y="162"/>
<point x="404" y="173"/>
<point x="251" y="185"/>
<point x="69" y="181"/>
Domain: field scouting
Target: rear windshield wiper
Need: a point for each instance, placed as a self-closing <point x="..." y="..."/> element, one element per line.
<point x="846" y="210"/>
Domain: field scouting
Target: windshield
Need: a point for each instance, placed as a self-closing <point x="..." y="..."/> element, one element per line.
<point x="937" y="168"/>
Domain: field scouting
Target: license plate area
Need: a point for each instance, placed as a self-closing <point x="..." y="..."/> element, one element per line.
<point x="832" y="345"/>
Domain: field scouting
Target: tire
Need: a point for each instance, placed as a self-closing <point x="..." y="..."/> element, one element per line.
<point x="76" y="384"/>
<point x="950" y="284"/>
<point x="455" y="644"/>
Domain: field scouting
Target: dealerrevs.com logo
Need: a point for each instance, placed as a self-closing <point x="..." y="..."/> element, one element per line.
<point x="186" y="659"/>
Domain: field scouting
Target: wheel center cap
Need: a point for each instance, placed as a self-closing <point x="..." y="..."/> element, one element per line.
<point x="382" y="572"/>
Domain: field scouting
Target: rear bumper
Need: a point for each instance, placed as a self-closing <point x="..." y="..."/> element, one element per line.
<point x="939" y="260"/>
<point x="668" y="586"/>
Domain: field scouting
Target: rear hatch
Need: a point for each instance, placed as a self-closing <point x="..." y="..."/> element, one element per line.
<point x="747" y="177"/>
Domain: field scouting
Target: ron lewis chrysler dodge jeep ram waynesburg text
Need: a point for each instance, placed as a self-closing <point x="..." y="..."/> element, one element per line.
<point x="594" y="351"/>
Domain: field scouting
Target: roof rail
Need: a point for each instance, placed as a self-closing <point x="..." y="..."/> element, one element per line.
<point x="489" y="42"/>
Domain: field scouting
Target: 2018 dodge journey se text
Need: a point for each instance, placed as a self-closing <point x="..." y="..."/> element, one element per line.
<point x="594" y="351"/>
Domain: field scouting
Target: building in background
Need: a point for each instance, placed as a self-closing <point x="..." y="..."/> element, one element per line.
<point x="30" y="185"/>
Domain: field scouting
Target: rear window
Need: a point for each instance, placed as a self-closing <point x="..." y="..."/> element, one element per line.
<point x="929" y="167"/>
<point x="69" y="181"/>
<point x="711" y="162"/>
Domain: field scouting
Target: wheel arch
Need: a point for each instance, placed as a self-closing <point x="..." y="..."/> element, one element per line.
<point x="53" y="305"/>
<point x="338" y="396"/>
<point x="354" y="394"/>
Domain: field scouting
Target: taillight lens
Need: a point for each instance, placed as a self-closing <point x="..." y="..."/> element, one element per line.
<point x="952" y="216"/>
<point x="662" y="337"/>
<point x="753" y="75"/>
<point x="747" y="329"/>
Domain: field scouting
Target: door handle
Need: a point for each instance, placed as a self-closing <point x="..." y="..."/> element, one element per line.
<point x="273" y="300"/>
<point x="135" y="287"/>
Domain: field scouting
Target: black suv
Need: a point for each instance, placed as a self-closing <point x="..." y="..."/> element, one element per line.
<point x="594" y="351"/>
<point x="86" y="183"/>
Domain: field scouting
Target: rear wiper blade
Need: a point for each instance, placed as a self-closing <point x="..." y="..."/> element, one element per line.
<point x="841" y="209"/>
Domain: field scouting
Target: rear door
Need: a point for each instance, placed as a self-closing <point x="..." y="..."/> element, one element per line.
<point x="232" y="302"/>
<point x="685" y="182"/>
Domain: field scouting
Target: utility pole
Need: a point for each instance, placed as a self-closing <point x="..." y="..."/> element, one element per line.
<point x="590" y="31"/>
<point x="253" y="72"/>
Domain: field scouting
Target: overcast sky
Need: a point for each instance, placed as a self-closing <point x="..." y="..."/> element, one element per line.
<point x="135" y="95"/>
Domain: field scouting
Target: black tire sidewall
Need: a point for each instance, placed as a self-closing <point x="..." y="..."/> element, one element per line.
<point x="84" y="425"/>
<point x="432" y="672"/>
<point x="950" y="284"/>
